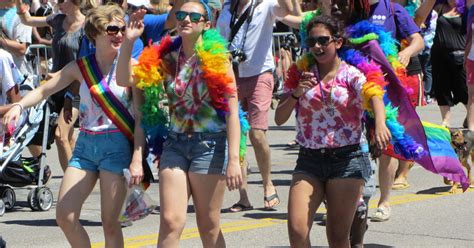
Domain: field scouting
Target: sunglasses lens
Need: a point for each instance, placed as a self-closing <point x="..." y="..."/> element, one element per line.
<point x="180" y="15"/>
<point x="195" y="17"/>
<point x="112" y="29"/>
<point x="321" y="40"/>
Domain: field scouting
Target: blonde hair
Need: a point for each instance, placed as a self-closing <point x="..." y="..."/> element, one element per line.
<point x="98" y="18"/>
<point x="86" y="5"/>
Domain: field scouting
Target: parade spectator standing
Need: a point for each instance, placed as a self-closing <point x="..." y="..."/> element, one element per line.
<point x="10" y="79"/>
<point x="248" y="26"/>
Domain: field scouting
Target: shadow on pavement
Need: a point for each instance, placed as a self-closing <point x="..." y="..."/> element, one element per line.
<point x="267" y="214"/>
<point x="189" y="210"/>
<point x="365" y="245"/>
<point x="48" y="222"/>
<point x="276" y="182"/>
<point x="434" y="191"/>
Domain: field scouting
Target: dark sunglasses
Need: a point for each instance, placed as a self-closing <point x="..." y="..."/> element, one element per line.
<point x="60" y="1"/>
<point x="113" y="29"/>
<point x="321" y="40"/>
<point x="193" y="16"/>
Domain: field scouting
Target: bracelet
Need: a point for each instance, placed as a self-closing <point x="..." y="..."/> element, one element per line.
<point x="17" y="104"/>
<point x="68" y="95"/>
<point x="294" y="97"/>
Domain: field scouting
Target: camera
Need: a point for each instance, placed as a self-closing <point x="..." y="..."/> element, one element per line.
<point x="238" y="56"/>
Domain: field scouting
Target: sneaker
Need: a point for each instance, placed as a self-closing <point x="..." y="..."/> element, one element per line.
<point x="382" y="214"/>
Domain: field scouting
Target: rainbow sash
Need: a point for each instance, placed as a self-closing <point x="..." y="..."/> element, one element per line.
<point x="103" y="95"/>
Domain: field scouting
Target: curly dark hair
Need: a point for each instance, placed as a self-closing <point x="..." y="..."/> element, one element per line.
<point x="334" y="26"/>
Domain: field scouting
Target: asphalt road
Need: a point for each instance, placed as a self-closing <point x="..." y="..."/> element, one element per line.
<point x="424" y="215"/>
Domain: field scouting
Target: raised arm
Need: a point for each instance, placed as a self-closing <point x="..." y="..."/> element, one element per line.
<point x="423" y="11"/>
<point x="171" y="20"/>
<point x="289" y="12"/>
<point x="27" y="19"/>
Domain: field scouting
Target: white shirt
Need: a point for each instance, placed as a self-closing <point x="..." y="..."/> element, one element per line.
<point x="9" y="75"/>
<point x="259" y="40"/>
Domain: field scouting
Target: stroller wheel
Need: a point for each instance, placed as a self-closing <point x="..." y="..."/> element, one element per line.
<point x="2" y="207"/>
<point x="45" y="198"/>
<point x="32" y="201"/>
<point x="8" y="196"/>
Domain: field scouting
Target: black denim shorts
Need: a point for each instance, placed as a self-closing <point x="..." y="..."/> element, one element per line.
<point x="325" y="164"/>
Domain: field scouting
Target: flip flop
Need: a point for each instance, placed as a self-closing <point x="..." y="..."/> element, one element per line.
<point x="240" y="208"/>
<point x="270" y="198"/>
<point x="400" y="186"/>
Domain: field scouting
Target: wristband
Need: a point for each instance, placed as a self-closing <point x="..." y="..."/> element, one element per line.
<point x="294" y="97"/>
<point x="69" y="95"/>
<point x="17" y="104"/>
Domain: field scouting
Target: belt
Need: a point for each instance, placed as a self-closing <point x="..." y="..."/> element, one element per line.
<point x="99" y="132"/>
<point x="198" y="136"/>
<point x="321" y="151"/>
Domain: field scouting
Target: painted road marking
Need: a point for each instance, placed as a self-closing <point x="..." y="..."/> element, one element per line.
<point x="244" y="225"/>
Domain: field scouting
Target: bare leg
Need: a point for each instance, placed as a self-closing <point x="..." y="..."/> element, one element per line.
<point x="75" y="188"/>
<point x="445" y="115"/>
<point x="306" y="194"/>
<point x="470" y="108"/>
<point x="64" y="140"/>
<point x="35" y="150"/>
<point x="244" y="199"/>
<point x="403" y="171"/>
<point x="342" y="196"/>
<point x="112" y="196"/>
<point x="174" y="196"/>
<point x="387" y="169"/>
<point x="208" y="195"/>
<point x="262" y="154"/>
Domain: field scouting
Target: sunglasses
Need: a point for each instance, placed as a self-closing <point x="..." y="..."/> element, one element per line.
<point x="60" y="1"/>
<point x="193" y="16"/>
<point x="321" y="40"/>
<point x="114" y="29"/>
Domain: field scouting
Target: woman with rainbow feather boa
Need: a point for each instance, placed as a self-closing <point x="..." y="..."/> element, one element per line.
<point x="329" y="96"/>
<point x="200" y="152"/>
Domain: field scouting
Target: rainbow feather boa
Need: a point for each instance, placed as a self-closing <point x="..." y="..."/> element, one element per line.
<point x="365" y="31"/>
<point x="151" y="72"/>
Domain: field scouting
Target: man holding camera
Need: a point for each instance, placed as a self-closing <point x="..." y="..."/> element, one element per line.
<point x="248" y="26"/>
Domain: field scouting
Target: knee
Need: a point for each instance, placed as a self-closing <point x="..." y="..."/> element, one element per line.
<point x="171" y="222"/>
<point x="298" y="233"/>
<point x="61" y="136"/>
<point x="111" y="226"/>
<point x="257" y="137"/>
<point x="65" y="219"/>
<point x="337" y="238"/>
<point x="208" y="224"/>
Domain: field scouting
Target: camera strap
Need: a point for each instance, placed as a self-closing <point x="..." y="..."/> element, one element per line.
<point x="245" y="17"/>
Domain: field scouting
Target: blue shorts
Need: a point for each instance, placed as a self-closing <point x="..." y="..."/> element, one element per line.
<point x="201" y="153"/>
<point x="326" y="164"/>
<point x="110" y="152"/>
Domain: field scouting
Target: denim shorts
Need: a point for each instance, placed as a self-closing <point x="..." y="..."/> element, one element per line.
<point x="108" y="151"/>
<point x="201" y="153"/>
<point x="325" y="164"/>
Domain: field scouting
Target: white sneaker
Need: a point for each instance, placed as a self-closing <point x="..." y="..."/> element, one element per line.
<point x="382" y="214"/>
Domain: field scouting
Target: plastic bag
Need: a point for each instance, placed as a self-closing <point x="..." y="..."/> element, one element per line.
<point x="138" y="203"/>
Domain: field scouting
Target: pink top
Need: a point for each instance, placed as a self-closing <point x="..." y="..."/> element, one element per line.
<point x="330" y="122"/>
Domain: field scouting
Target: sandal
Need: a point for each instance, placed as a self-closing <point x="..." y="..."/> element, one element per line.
<point x="271" y="198"/>
<point x="238" y="207"/>
<point x="400" y="185"/>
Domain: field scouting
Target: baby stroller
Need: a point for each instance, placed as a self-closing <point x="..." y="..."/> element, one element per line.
<point x="17" y="171"/>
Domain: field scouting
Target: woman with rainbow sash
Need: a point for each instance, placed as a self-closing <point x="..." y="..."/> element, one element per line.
<point x="200" y="152"/>
<point x="329" y="96"/>
<point x="107" y="128"/>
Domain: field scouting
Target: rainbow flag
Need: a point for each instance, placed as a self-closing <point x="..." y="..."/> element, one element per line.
<point x="444" y="159"/>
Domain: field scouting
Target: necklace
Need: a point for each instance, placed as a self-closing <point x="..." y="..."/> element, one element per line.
<point x="330" y="105"/>
<point x="177" y="79"/>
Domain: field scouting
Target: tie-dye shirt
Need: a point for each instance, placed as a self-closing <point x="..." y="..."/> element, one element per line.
<point x="330" y="122"/>
<point x="189" y="102"/>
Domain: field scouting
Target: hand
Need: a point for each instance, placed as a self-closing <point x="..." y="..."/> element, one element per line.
<point x="135" y="25"/>
<point x="136" y="172"/>
<point x="234" y="174"/>
<point x="382" y="136"/>
<point x="404" y="58"/>
<point x="12" y="117"/>
<point x="67" y="110"/>
<point x="308" y="80"/>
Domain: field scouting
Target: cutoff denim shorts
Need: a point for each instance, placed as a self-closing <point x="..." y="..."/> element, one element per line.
<point x="326" y="164"/>
<point x="107" y="151"/>
<point x="201" y="153"/>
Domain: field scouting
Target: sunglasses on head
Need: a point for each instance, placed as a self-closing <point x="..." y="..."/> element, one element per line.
<point x="114" y="29"/>
<point x="193" y="16"/>
<point x="321" y="40"/>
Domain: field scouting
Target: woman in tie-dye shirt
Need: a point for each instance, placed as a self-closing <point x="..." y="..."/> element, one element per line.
<point x="331" y="165"/>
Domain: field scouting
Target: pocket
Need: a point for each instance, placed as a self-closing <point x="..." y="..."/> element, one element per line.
<point x="457" y="57"/>
<point x="347" y="155"/>
<point x="209" y="144"/>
